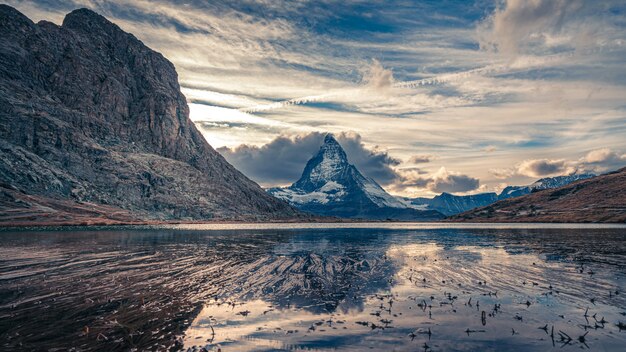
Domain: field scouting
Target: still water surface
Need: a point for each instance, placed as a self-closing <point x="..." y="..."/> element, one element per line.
<point x="352" y="287"/>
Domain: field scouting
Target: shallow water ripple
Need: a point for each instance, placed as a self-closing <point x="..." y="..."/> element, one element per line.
<point x="394" y="288"/>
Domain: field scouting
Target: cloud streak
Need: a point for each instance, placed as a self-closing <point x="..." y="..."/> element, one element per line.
<point x="484" y="86"/>
<point x="377" y="82"/>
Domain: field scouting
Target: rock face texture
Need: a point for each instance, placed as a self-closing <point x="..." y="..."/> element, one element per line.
<point x="331" y="186"/>
<point x="597" y="199"/>
<point x="89" y="114"/>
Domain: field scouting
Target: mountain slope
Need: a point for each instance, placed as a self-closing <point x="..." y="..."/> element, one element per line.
<point x="450" y="204"/>
<point x="544" y="183"/>
<point x="331" y="186"/>
<point x="89" y="114"/>
<point x="598" y="199"/>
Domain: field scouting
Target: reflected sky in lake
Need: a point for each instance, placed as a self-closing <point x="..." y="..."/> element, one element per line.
<point x="379" y="287"/>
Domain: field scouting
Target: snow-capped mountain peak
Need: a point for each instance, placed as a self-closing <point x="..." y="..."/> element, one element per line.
<point x="558" y="181"/>
<point x="544" y="183"/>
<point x="330" y="185"/>
<point x="326" y="166"/>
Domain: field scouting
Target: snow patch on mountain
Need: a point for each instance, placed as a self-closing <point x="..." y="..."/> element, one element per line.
<point x="291" y="196"/>
<point x="378" y="195"/>
<point x="329" y="192"/>
<point x="331" y="186"/>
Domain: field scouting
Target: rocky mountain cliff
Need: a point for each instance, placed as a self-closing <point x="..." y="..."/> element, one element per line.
<point x="597" y="199"/>
<point x="90" y="115"/>
<point x="331" y="186"/>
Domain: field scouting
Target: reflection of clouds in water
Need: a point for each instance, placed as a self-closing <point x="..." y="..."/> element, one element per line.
<point x="267" y="327"/>
<point x="317" y="275"/>
<point x="467" y="271"/>
<point x="465" y="255"/>
<point x="452" y="238"/>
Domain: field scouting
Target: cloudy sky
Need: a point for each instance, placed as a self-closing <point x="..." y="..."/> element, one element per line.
<point x="425" y="96"/>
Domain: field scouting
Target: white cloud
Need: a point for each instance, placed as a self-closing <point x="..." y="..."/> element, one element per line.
<point x="445" y="181"/>
<point x="596" y="161"/>
<point x="421" y="158"/>
<point x="603" y="155"/>
<point x="378" y="78"/>
<point x="502" y="174"/>
<point x="516" y="24"/>
<point x="601" y="160"/>
<point x="414" y="180"/>
<point x="543" y="26"/>
<point x="543" y="167"/>
<point x="554" y="91"/>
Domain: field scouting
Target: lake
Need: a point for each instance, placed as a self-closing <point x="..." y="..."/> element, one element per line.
<point x="317" y="287"/>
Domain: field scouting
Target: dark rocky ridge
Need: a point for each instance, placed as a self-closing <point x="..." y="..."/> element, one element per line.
<point x="88" y="113"/>
<point x="597" y="199"/>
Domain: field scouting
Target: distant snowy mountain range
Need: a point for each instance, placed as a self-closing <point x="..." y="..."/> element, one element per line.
<point x="450" y="204"/>
<point x="544" y="183"/>
<point x="331" y="186"/>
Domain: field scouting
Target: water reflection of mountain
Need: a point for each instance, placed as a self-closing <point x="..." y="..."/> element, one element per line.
<point x="319" y="272"/>
<point x="157" y="278"/>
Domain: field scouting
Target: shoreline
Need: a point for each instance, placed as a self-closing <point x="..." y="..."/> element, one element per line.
<point x="108" y="222"/>
<point x="268" y="225"/>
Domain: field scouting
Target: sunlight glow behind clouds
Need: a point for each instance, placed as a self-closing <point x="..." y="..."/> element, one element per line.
<point x="481" y="85"/>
